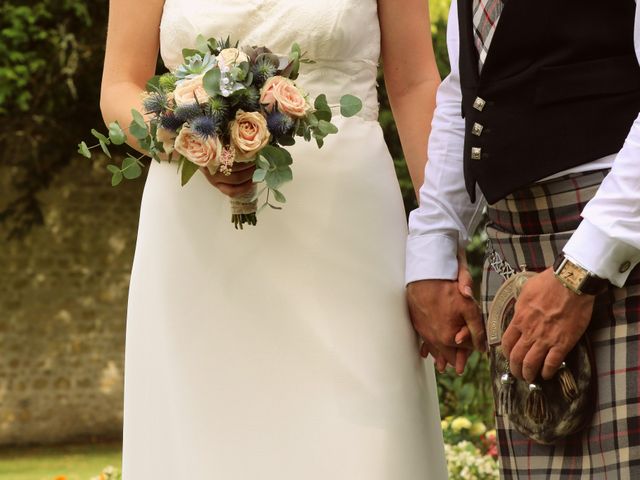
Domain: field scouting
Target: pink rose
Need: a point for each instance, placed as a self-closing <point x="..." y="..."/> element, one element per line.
<point x="283" y="92"/>
<point x="249" y="133"/>
<point x="231" y="56"/>
<point x="167" y="137"/>
<point x="203" y="152"/>
<point x="188" y="91"/>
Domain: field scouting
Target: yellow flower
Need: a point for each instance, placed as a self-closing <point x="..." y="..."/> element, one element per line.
<point x="478" y="429"/>
<point x="444" y="425"/>
<point x="461" y="423"/>
<point x="491" y="434"/>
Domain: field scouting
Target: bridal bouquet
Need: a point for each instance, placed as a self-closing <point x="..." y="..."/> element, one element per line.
<point x="225" y="105"/>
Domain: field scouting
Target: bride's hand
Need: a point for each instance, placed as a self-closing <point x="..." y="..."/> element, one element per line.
<point x="238" y="183"/>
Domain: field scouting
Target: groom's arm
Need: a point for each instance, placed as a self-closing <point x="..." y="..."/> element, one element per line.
<point x="445" y="214"/>
<point x="607" y="242"/>
<point x="438" y="310"/>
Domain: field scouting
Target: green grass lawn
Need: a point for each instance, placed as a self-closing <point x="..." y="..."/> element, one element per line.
<point x="76" y="462"/>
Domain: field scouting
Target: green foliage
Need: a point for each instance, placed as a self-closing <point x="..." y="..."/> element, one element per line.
<point x="44" y="101"/>
<point x="469" y="394"/>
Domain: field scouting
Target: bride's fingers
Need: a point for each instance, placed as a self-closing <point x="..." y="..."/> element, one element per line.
<point x="461" y="360"/>
<point x="465" y="281"/>
<point x="463" y="335"/>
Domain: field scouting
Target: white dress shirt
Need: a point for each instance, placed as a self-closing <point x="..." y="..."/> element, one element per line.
<point x="607" y="242"/>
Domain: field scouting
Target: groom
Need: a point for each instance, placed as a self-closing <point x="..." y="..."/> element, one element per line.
<point x="540" y="117"/>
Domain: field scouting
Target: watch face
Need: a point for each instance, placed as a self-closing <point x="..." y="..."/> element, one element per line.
<point x="572" y="275"/>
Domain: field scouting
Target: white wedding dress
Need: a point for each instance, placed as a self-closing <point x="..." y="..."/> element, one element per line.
<point x="284" y="351"/>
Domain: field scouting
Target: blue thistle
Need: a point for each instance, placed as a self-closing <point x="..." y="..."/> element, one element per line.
<point x="155" y="102"/>
<point x="204" y="126"/>
<point x="249" y="99"/>
<point x="219" y="108"/>
<point x="263" y="70"/>
<point x="170" y="121"/>
<point x="279" y="124"/>
<point x="186" y="113"/>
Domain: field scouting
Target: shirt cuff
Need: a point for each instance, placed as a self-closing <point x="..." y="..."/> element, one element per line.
<point x="604" y="256"/>
<point x="432" y="257"/>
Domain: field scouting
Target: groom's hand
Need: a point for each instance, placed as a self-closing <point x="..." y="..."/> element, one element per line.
<point x="549" y="320"/>
<point x="439" y="312"/>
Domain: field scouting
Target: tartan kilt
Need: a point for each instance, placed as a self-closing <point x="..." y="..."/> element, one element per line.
<point x="530" y="227"/>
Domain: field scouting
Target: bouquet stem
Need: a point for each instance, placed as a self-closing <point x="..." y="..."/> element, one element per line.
<point x="244" y="209"/>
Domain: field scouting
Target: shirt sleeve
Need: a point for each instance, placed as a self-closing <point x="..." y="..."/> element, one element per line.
<point x="607" y="242"/>
<point x="446" y="214"/>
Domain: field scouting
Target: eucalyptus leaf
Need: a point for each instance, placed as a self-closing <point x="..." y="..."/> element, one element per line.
<point x="327" y="128"/>
<point x="274" y="155"/>
<point x="116" y="134"/>
<point x="277" y="194"/>
<point x="138" y="131"/>
<point x="201" y="44"/>
<point x="113" y="168"/>
<point x="287" y="141"/>
<point x="131" y="168"/>
<point x="262" y="163"/>
<point x="105" y="149"/>
<point x="116" y="178"/>
<point x="100" y="136"/>
<point x="84" y="150"/>
<point x="211" y="81"/>
<point x="188" y="171"/>
<point x="278" y="177"/>
<point x="138" y="118"/>
<point x="320" y="142"/>
<point x="321" y="103"/>
<point x="312" y="119"/>
<point x="259" y="175"/>
<point x="350" y="105"/>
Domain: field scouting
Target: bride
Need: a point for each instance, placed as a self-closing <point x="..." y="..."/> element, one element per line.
<point x="283" y="351"/>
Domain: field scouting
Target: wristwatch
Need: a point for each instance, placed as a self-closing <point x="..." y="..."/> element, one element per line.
<point x="578" y="279"/>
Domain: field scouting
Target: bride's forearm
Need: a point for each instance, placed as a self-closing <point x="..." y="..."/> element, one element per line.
<point x="413" y="112"/>
<point x="116" y="103"/>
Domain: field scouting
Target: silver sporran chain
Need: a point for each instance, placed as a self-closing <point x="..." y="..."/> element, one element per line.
<point x="499" y="265"/>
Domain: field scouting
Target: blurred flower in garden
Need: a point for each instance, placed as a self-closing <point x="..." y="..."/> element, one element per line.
<point x="461" y="423"/>
<point x="477" y="429"/>
<point x="471" y="450"/>
<point x="466" y="462"/>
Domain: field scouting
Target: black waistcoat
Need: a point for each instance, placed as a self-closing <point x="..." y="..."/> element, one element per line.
<point x="560" y="87"/>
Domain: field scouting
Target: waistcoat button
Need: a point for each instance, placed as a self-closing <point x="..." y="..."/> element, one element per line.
<point x="479" y="104"/>
<point x="476" y="153"/>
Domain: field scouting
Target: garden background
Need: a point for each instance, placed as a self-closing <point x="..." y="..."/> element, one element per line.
<point x="67" y="243"/>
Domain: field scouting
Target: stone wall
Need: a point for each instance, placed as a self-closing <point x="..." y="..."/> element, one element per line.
<point x="63" y="292"/>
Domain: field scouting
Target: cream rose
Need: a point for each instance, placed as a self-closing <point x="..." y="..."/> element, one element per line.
<point x="167" y="137"/>
<point x="188" y="91"/>
<point x="203" y="152"/>
<point x="249" y="133"/>
<point x="283" y="92"/>
<point x="232" y="56"/>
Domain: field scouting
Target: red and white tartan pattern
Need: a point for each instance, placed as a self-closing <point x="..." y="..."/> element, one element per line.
<point x="486" y="14"/>
<point x="530" y="228"/>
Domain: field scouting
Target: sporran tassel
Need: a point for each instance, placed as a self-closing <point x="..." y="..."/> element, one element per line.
<point x="568" y="383"/>
<point x="506" y="396"/>
<point x="536" y="407"/>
